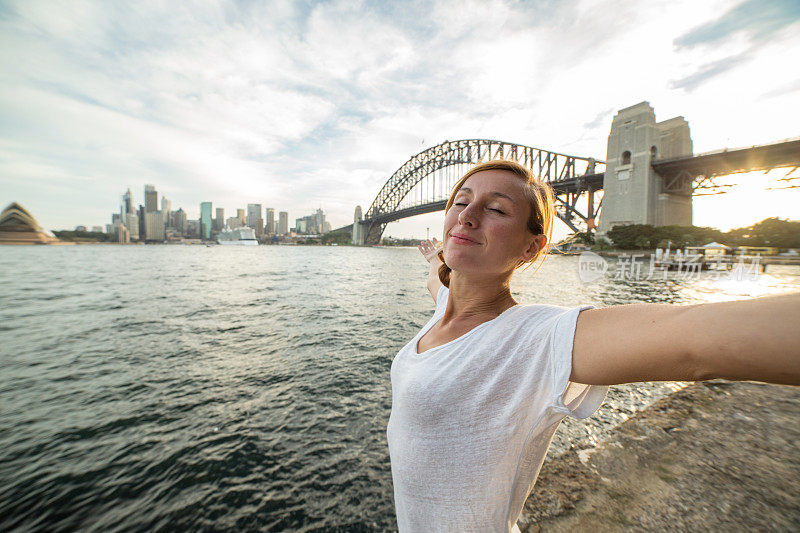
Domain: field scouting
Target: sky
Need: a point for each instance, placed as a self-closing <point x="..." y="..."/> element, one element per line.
<point x="306" y="105"/>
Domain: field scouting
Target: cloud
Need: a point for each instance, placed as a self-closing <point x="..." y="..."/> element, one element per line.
<point x="758" y="19"/>
<point x="748" y="27"/>
<point x="789" y="88"/>
<point x="600" y="120"/>
<point x="709" y="71"/>
<point x="298" y="105"/>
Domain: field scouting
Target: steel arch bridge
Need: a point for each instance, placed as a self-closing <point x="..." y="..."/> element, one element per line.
<point x="415" y="182"/>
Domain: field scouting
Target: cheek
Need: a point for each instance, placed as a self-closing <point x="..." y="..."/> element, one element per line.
<point x="506" y="236"/>
<point x="450" y="218"/>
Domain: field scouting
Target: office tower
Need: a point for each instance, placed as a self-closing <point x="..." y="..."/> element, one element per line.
<point x="234" y="222"/>
<point x="192" y="228"/>
<point x="140" y="214"/>
<point x="319" y="221"/>
<point x="253" y="214"/>
<point x="283" y="223"/>
<point x="122" y="235"/>
<point x="326" y="227"/>
<point x="150" y="199"/>
<point x="131" y="222"/>
<point x="219" y="220"/>
<point x="270" y="229"/>
<point x="166" y="205"/>
<point x="177" y="219"/>
<point x="205" y="220"/>
<point x="127" y="204"/>
<point x="241" y="217"/>
<point x="154" y="226"/>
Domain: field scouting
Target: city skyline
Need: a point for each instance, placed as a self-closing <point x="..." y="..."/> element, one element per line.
<point x="129" y="198"/>
<point x="318" y="104"/>
<point x="146" y="223"/>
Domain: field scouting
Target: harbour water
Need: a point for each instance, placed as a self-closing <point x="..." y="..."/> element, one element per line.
<point x="190" y="387"/>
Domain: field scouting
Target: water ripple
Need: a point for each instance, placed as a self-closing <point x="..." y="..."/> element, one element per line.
<point x="158" y="388"/>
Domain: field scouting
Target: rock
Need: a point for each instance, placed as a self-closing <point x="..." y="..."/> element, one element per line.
<point x="714" y="456"/>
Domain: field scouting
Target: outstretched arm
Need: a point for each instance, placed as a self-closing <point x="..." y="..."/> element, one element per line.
<point x="429" y="250"/>
<point x="756" y="339"/>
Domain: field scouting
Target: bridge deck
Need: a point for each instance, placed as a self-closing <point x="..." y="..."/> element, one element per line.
<point x="765" y="157"/>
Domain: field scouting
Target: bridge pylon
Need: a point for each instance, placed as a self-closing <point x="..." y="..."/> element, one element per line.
<point x="633" y="193"/>
<point x="358" y="227"/>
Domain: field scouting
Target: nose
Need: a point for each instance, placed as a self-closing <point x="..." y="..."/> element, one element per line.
<point x="465" y="217"/>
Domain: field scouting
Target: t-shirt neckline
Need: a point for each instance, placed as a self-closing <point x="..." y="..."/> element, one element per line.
<point x="476" y="328"/>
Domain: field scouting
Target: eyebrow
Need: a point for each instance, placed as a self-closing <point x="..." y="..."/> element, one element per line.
<point x="493" y="193"/>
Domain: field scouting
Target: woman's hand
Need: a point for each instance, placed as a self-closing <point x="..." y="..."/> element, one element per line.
<point x="429" y="249"/>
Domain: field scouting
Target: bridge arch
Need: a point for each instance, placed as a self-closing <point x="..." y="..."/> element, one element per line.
<point x="562" y="171"/>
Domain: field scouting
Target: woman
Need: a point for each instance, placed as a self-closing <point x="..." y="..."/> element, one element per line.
<point x="478" y="393"/>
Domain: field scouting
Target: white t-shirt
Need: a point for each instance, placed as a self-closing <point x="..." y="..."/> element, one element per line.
<point x="472" y="419"/>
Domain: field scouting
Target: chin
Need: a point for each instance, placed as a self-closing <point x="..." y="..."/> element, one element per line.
<point x="464" y="264"/>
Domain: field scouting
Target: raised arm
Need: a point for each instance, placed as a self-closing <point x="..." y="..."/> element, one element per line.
<point x="429" y="251"/>
<point x="756" y="339"/>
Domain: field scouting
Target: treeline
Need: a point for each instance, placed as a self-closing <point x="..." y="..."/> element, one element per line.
<point x="82" y="236"/>
<point x="393" y="241"/>
<point x="769" y="232"/>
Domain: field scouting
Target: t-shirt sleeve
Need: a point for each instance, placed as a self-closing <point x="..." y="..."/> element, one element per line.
<point x="572" y="399"/>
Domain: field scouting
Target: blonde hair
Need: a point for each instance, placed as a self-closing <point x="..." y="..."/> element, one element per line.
<point x="539" y="194"/>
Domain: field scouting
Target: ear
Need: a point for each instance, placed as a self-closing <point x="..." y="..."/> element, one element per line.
<point x="537" y="243"/>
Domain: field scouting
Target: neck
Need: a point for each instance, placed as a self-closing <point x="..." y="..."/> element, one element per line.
<point x="482" y="294"/>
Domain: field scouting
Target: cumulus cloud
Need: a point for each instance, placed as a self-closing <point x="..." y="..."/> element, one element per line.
<point x="305" y="105"/>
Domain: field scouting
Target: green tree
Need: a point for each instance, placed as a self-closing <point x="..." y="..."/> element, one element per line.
<point x="642" y="241"/>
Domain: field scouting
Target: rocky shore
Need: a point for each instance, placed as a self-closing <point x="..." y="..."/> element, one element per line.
<point x="714" y="456"/>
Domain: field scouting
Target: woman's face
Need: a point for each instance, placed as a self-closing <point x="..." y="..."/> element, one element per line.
<point x="491" y="210"/>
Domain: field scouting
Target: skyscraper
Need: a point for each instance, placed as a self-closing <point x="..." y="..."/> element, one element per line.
<point x="283" y="223"/>
<point x="320" y="221"/>
<point x="253" y="214"/>
<point x="150" y="199"/>
<point x="219" y="220"/>
<point x="140" y="214"/>
<point x="270" y="229"/>
<point x="241" y="217"/>
<point x="131" y="221"/>
<point x="166" y="205"/>
<point x="205" y="220"/>
<point x="178" y="221"/>
<point x="127" y="204"/>
<point x="154" y="225"/>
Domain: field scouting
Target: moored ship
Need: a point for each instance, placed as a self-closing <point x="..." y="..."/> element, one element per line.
<point x="240" y="236"/>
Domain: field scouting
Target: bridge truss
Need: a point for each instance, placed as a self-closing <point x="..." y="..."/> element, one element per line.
<point x="423" y="183"/>
<point x="688" y="174"/>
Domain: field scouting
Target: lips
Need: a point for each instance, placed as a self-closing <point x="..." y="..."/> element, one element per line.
<point x="460" y="238"/>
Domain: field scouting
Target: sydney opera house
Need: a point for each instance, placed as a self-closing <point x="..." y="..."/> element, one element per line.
<point x="17" y="226"/>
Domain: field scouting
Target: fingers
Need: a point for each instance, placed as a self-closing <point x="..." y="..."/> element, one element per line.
<point x="427" y="249"/>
